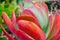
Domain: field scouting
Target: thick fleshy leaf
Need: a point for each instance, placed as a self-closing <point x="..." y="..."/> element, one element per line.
<point x="29" y="12"/>
<point x="10" y="25"/>
<point x="44" y="14"/>
<point x="32" y="29"/>
<point x="20" y="34"/>
<point x="45" y="7"/>
<point x="5" y="32"/>
<point x="28" y="18"/>
<point x="39" y="13"/>
<point x="56" y="28"/>
<point x="13" y="17"/>
<point x="8" y="22"/>
<point x="56" y="37"/>
<point x="50" y="25"/>
<point x="23" y="36"/>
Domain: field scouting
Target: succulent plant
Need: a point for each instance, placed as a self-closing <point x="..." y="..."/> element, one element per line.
<point x="34" y="23"/>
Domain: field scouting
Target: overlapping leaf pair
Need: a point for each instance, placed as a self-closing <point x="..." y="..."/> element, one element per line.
<point x="34" y="24"/>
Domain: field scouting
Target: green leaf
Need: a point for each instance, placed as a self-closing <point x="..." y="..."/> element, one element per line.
<point x="3" y="38"/>
<point x="16" y="10"/>
<point x="6" y="6"/>
<point x="4" y="25"/>
<point x="0" y="21"/>
<point x="0" y="30"/>
<point x="3" y="3"/>
<point x="0" y="10"/>
<point x="7" y="11"/>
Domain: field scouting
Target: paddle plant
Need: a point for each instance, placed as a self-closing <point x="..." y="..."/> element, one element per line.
<point x="35" y="23"/>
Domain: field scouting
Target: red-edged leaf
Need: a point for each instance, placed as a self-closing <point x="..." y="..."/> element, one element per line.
<point x="26" y="11"/>
<point x="56" y="37"/>
<point x="42" y="6"/>
<point x="45" y="7"/>
<point x="8" y="22"/>
<point x="23" y="36"/>
<point x="56" y="26"/>
<point x="13" y="17"/>
<point x="39" y="13"/>
<point x="28" y="18"/>
<point x="10" y="25"/>
<point x="51" y="22"/>
<point x="32" y="29"/>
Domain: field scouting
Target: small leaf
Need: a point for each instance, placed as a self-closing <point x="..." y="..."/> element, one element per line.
<point x="6" y="5"/>
<point x="7" y="12"/>
<point x="0" y="10"/>
<point x="3" y="38"/>
<point x="4" y="25"/>
<point x="16" y="10"/>
<point x="0" y="30"/>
